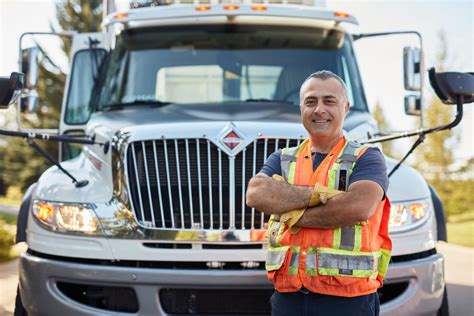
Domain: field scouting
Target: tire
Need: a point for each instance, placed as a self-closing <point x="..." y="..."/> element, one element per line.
<point x="19" y="308"/>
<point x="444" y="309"/>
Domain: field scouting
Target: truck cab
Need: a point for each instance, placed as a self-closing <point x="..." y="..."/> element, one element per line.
<point x="192" y="99"/>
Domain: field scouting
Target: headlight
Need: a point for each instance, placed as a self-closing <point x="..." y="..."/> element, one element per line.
<point x="67" y="217"/>
<point x="404" y="216"/>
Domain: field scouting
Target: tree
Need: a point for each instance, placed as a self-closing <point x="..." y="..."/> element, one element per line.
<point x="387" y="147"/>
<point x="435" y="155"/>
<point x="21" y="164"/>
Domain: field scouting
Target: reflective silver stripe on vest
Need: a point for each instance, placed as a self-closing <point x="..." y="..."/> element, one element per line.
<point x="345" y="161"/>
<point x="287" y="157"/>
<point x="275" y="258"/>
<point x="345" y="262"/>
<point x="347" y="237"/>
<point x="294" y="260"/>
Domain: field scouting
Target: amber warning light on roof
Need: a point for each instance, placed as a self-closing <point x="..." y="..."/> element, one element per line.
<point x="231" y="7"/>
<point x="203" y="8"/>
<point x="341" y="14"/>
<point x="120" y="15"/>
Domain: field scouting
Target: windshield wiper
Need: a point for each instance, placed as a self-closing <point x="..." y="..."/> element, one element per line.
<point x="268" y="101"/>
<point x="122" y="105"/>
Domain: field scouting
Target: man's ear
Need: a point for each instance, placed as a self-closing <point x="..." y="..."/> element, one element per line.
<point x="347" y="107"/>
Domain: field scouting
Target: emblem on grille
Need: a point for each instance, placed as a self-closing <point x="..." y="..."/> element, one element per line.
<point x="231" y="140"/>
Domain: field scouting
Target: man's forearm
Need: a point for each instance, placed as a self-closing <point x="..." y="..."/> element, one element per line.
<point x="274" y="197"/>
<point x="352" y="207"/>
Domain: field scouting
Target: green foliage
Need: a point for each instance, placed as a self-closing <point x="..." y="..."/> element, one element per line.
<point x="7" y="239"/>
<point x="435" y="158"/>
<point x="21" y="165"/>
<point x="387" y="147"/>
<point x="461" y="233"/>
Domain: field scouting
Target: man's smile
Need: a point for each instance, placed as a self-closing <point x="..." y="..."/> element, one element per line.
<point x="320" y="121"/>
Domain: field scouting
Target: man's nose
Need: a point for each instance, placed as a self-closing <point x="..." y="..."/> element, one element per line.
<point x="318" y="107"/>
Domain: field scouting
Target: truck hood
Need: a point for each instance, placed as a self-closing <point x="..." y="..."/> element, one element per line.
<point x="193" y="113"/>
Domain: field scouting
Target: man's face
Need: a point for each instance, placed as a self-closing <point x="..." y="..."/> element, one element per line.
<point x="323" y="107"/>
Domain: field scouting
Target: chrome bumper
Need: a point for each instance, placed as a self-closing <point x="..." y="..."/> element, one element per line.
<point x="424" y="294"/>
<point x="41" y="295"/>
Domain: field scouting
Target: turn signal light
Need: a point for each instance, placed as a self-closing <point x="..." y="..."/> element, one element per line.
<point x="45" y="212"/>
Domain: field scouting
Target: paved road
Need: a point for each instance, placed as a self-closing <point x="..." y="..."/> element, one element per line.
<point x="9" y="209"/>
<point x="459" y="276"/>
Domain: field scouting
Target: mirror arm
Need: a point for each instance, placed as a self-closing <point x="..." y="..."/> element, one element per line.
<point x="65" y="139"/>
<point x="421" y="134"/>
<point x="44" y="153"/>
<point x="421" y="139"/>
<point x="455" y="122"/>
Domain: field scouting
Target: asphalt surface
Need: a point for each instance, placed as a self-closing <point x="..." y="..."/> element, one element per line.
<point x="459" y="276"/>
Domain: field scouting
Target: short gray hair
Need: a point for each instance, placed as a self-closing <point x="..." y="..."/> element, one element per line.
<point x="324" y="75"/>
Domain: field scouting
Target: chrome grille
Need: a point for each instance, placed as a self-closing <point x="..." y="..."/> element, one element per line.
<point x="193" y="184"/>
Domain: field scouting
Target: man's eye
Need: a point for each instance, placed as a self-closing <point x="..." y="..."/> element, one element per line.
<point x="310" y="103"/>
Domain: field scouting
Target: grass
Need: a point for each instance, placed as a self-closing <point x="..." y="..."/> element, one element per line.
<point x="461" y="233"/>
<point x="7" y="236"/>
<point x="461" y="229"/>
<point x="8" y="218"/>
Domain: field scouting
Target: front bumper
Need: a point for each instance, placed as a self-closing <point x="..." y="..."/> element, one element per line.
<point x="39" y="279"/>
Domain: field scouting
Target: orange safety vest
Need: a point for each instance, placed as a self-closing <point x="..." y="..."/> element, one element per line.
<point x="345" y="261"/>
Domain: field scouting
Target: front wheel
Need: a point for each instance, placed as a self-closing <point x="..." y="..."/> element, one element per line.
<point x="444" y="309"/>
<point x="19" y="308"/>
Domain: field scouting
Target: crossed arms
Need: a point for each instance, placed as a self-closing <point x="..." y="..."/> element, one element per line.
<point x="356" y="205"/>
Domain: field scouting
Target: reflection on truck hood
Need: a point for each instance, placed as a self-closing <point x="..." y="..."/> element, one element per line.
<point x="252" y="111"/>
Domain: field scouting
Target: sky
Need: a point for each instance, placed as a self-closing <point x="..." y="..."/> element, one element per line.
<point x="380" y="59"/>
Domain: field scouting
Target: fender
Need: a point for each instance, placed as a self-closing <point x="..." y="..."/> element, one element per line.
<point x="22" y="220"/>
<point x="440" y="215"/>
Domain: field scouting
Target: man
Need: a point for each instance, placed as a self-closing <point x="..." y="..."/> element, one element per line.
<point x="329" y="244"/>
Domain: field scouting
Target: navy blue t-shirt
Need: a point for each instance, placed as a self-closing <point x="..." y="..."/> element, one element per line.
<point x="370" y="166"/>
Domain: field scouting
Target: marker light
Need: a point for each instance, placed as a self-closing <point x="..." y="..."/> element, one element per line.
<point x="231" y="7"/>
<point x="120" y="16"/>
<point x="202" y="8"/>
<point x="341" y="14"/>
<point x="67" y="217"/>
<point x="259" y="8"/>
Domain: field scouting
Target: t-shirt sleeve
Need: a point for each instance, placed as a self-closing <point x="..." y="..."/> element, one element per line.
<point x="371" y="166"/>
<point x="272" y="165"/>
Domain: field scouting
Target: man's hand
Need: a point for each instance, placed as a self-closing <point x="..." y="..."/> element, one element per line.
<point x="276" y="197"/>
<point x="358" y="204"/>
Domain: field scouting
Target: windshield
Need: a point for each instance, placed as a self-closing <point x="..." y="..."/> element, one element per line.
<point x="221" y="64"/>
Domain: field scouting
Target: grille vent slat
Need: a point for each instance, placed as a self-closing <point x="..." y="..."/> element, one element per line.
<point x="186" y="183"/>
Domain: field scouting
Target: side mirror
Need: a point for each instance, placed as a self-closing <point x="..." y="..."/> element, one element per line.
<point x="412" y="68"/>
<point x="29" y="104"/>
<point x="10" y="89"/>
<point x="451" y="86"/>
<point x="413" y="105"/>
<point x="30" y="66"/>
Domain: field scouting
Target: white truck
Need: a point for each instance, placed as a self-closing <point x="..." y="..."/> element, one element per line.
<point x="181" y="103"/>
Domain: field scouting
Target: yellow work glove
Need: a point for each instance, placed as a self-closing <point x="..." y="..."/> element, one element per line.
<point x="321" y="195"/>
